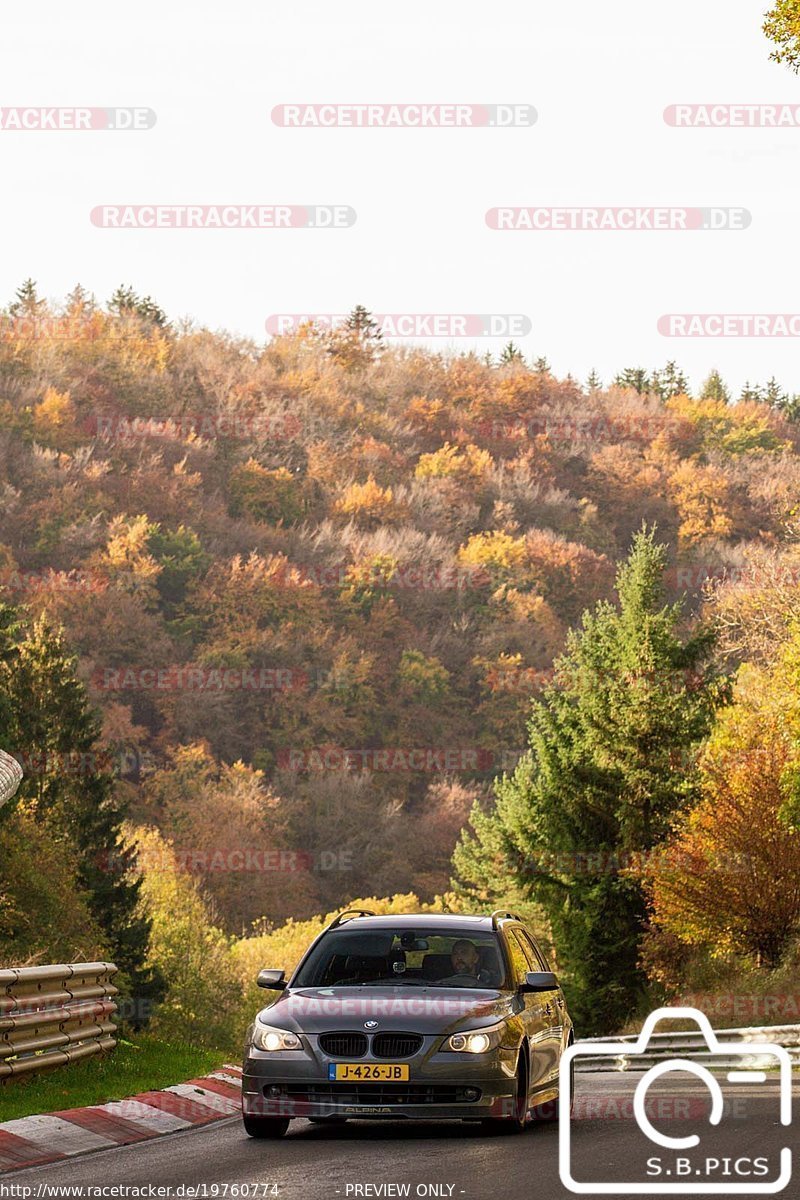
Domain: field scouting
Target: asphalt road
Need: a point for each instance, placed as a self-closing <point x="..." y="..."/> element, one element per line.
<point x="446" y="1160"/>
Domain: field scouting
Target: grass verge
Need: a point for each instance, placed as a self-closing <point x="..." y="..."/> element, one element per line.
<point x="135" y="1066"/>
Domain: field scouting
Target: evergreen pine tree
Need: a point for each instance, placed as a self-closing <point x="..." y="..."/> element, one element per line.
<point x="27" y="302"/>
<point x="79" y="302"/>
<point x="672" y="381"/>
<point x="594" y="383"/>
<point x="125" y="302"/>
<point x="715" y="389"/>
<point x="511" y="353"/>
<point x="791" y="408"/>
<point x="69" y="787"/>
<point x="774" y="394"/>
<point x="541" y="366"/>
<point x="636" y="378"/>
<point x="751" y="392"/>
<point x="362" y="322"/>
<point x="356" y="343"/>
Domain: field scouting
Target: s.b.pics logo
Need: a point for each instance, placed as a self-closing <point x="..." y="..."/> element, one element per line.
<point x="733" y="1075"/>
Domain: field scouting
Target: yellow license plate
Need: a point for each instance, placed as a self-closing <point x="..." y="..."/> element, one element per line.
<point x="368" y="1072"/>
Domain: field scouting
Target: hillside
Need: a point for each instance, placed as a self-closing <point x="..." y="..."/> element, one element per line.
<point x="313" y="586"/>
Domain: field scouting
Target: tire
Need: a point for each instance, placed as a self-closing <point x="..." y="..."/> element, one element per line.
<point x="516" y="1122"/>
<point x="265" y="1127"/>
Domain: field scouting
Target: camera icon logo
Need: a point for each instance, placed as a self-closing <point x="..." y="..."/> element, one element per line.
<point x="678" y="1171"/>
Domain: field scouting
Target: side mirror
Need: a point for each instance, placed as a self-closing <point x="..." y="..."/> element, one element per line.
<point x="539" y="981"/>
<point x="274" y="980"/>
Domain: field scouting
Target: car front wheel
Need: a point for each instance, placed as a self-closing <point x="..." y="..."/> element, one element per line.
<point x="265" y="1127"/>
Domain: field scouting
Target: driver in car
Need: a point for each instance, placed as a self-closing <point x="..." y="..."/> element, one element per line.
<point x="465" y="960"/>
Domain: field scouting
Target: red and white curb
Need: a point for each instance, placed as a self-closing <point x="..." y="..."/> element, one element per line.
<point x="32" y="1141"/>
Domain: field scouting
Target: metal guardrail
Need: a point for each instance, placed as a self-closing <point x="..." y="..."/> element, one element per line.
<point x="692" y="1044"/>
<point x="10" y="777"/>
<point x="54" y="1015"/>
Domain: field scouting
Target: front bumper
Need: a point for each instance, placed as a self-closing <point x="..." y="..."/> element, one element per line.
<point x="442" y="1085"/>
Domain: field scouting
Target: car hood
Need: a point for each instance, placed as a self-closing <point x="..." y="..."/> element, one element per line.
<point x="421" y="1010"/>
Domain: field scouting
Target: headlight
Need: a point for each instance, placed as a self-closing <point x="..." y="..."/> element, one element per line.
<point x="476" y="1041"/>
<point x="265" y="1037"/>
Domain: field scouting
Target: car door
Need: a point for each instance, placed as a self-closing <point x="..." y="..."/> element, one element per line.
<point x="532" y="1014"/>
<point x="549" y="1010"/>
<point x="555" y="1008"/>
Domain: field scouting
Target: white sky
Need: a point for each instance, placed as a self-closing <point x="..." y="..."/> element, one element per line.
<point x="599" y="74"/>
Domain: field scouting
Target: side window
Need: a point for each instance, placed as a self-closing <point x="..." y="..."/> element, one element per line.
<point x="532" y="963"/>
<point x="519" y="960"/>
<point x="533" y="949"/>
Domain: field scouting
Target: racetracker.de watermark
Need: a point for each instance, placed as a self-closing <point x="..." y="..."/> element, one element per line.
<point x="596" y="428"/>
<point x="72" y="119"/>
<point x="612" y="862"/>
<point x="71" y="763"/>
<point x="31" y="583"/>
<point x="224" y="860"/>
<point x="66" y="329"/>
<point x="192" y="678"/>
<point x="769" y="1007"/>
<point x="223" y="216"/>
<point x="403" y="116"/>
<point x="384" y="1006"/>
<point x="626" y="219"/>
<point x="619" y="1107"/>
<point x="730" y="325"/>
<point x="386" y="758"/>
<point x="411" y="325"/>
<point x="517" y="680"/>
<point x="412" y="577"/>
<point x="732" y="116"/>
<point x="205" y="426"/>
<point x="698" y="575"/>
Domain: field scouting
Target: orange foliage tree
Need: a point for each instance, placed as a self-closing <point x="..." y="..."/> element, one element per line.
<point x="730" y="880"/>
<point x="702" y="496"/>
<point x="368" y="504"/>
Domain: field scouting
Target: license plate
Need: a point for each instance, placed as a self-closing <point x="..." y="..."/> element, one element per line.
<point x="364" y="1072"/>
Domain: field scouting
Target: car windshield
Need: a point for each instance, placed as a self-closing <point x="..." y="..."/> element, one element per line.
<point x="447" y="958"/>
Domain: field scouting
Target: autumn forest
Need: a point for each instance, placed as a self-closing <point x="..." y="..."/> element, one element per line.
<point x="286" y="625"/>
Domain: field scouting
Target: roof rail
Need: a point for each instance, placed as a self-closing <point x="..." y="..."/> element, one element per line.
<point x="339" y="919"/>
<point x="498" y="915"/>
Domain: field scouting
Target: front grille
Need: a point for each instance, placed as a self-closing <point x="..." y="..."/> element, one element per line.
<point x="396" y="1045"/>
<point x="344" y="1045"/>
<point x="372" y="1094"/>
